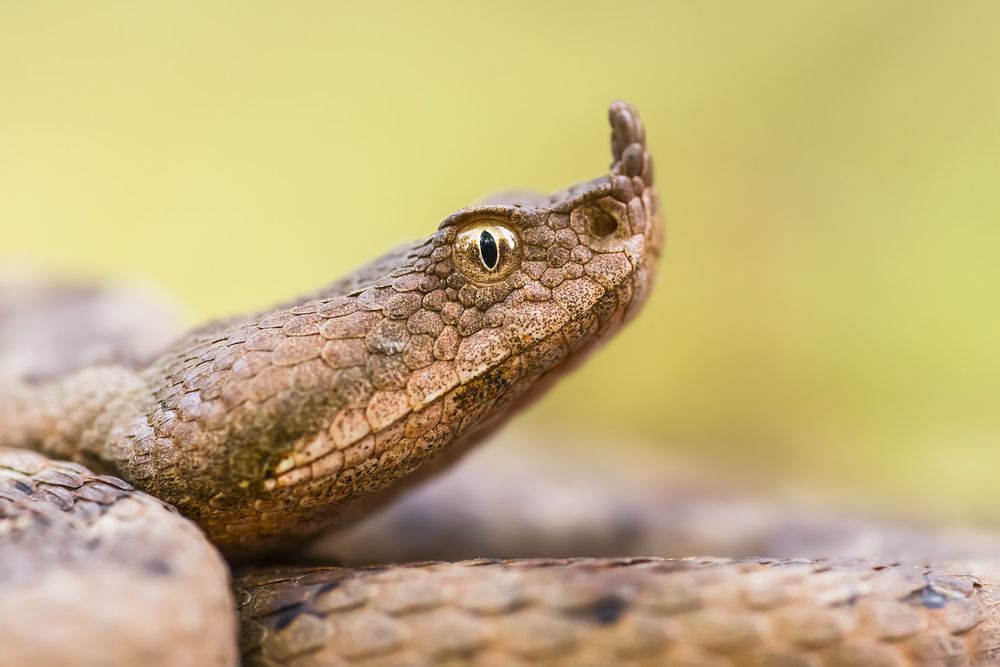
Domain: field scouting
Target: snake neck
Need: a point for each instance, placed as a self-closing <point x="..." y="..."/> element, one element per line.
<point x="73" y="417"/>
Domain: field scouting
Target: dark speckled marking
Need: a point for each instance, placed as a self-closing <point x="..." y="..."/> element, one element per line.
<point x="607" y="610"/>
<point x="928" y="597"/>
<point x="484" y="388"/>
<point x="328" y="586"/>
<point x="282" y="619"/>
<point x="157" y="567"/>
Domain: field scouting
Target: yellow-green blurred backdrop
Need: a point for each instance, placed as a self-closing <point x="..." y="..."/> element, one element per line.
<point x="828" y="305"/>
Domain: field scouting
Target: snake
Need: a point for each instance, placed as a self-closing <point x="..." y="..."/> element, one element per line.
<point x="155" y="501"/>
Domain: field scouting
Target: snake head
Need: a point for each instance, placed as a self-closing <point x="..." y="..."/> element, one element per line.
<point x="500" y="298"/>
<point x="531" y="281"/>
<point x="278" y="424"/>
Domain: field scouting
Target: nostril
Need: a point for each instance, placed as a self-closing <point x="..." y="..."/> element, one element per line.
<point x="602" y="223"/>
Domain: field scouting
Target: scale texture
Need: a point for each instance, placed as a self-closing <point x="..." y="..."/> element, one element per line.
<point x="266" y="429"/>
<point x="640" y="611"/>
<point x="93" y="572"/>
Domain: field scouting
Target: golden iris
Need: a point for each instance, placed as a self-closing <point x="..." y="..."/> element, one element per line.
<point x="486" y="251"/>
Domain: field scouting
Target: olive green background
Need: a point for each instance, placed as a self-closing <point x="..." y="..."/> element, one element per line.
<point x="828" y="302"/>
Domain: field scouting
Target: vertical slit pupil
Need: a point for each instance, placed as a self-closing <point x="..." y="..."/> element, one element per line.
<point x="488" y="249"/>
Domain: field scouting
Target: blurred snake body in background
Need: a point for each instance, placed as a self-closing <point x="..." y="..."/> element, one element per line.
<point x="130" y="475"/>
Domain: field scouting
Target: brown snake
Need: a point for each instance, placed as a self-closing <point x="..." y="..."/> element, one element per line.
<point x="265" y="430"/>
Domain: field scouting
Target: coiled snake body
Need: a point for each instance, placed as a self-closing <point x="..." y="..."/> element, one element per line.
<point x="266" y="430"/>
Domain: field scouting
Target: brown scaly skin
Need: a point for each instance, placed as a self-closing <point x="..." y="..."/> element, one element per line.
<point x="93" y="572"/>
<point x="795" y="609"/>
<point x="636" y="611"/>
<point x="275" y="426"/>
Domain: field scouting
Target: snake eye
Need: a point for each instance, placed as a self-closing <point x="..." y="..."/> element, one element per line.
<point x="486" y="251"/>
